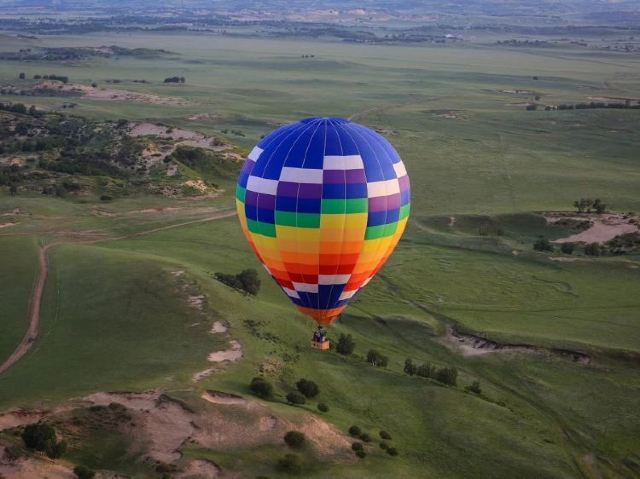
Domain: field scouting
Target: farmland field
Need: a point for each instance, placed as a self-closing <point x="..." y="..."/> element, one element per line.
<point x="131" y="293"/>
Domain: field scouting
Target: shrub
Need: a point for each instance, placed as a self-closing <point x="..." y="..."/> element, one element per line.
<point x="392" y="451"/>
<point x="345" y="345"/>
<point x="365" y="437"/>
<point x="426" y="370"/>
<point x="385" y="435"/>
<point x="542" y="244"/>
<point x="308" y="388"/>
<point x="384" y="445"/>
<point x="83" y="472"/>
<point x="56" y="450"/>
<point x="447" y="376"/>
<point x="361" y="454"/>
<point x="409" y="367"/>
<point x="106" y="198"/>
<point x="357" y="446"/>
<point x="322" y="407"/>
<point x="261" y="388"/>
<point x="295" y="397"/>
<point x="290" y="463"/>
<point x="593" y="249"/>
<point x="377" y="359"/>
<point x="355" y="431"/>
<point x="567" y="248"/>
<point x="474" y="387"/>
<point x="39" y="436"/>
<point x="246" y="281"/>
<point x="294" y="439"/>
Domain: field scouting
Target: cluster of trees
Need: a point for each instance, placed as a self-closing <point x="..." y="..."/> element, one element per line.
<point x="588" y="205"/>
<point x="61" y="78"/>
<point x="247" y="281"/>
<point x="358" y="447"/>
<point x="21" y="109"/>
<point x="377" y="359"/>
<point x="174" y="80"/>
<point x="42" y="437"/>
<point x="306" y="389"/>
<point x="587" y="106"/>
<point x="590" y="249"/>
<point x="445" y="375"/>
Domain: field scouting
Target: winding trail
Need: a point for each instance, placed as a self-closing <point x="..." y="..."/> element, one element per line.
<point x="36" y="298"/>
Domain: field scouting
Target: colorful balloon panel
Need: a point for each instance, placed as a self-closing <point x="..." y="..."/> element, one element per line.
<point x="323" y="203"/>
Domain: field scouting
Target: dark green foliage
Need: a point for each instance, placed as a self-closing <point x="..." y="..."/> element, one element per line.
<point x="384" y="445"/>
<point x="474" y="387"/>
<point x="42" y="437"/>
<point x="567" y="248"/>
<point x="83" y="472"/>
<point x="593" y="249"/>
<point x="361" y="454"/>
<point x="447" y="376"/>
<point x="247" y="281"/>
<point x="308" y="388"/>
<point x="345" y="345"/>
<point x="392" y="451"/>
<point x="587" y="205"/>
<point x="409" y="367"/>
<point x="426" y="370"/>
<point x="357" y="446"/>
<point x="385" y="435"/>
<point x="542" y="244"/>
<point x="290" y="464"/>
<point x="355" y="431"/>
<point x="261" y="388"/>
<point x="294" y="439"/>
<point x="295" y="397"/>
<point x="322" y="407"/>
<point x="365" y="437"/>
<point x="377" y="359"/>
<point x="174" y="80"/>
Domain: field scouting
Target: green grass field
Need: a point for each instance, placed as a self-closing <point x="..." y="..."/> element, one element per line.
<point x="115" y="318"/>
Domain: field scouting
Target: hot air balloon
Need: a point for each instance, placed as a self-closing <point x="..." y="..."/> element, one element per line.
<point x="323" y="203"/>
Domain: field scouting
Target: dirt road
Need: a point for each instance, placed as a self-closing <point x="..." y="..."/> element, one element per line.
<point x="36" y="298"/>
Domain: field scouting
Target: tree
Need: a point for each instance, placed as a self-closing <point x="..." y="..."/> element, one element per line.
<point x="426" y="370"/>
<point x="447" y="376"/>
<point x="249" y="281"/>
<point x="83" y="472"/>
<point x="354" y="431"/>
<point x="593" y="249"/>
<point x="385" y="435"/>
<point x="322" y="407"/>
<point x="567" y="248"/>
<point x="308" y="388"/>
<point x="392" y="451"/>
<point x="290" y="463"/>
<point x="599" y="206"/>
<point x="295" y="397"/>
<point x="13" y="189"/>
<point x="345" y="345"/>
<point x="261" y="388"/>
<point x="542" y="244"/>
<point x="377" y="359"/>
<point x="42" y="437"/>
<point x="21" y="76"/>
<point x="474" y="387"/>
<point x="365" y="437"/>
<point x="409" y="367"/>
<point x="294" y="439"/>
<point x="357" y="446"/>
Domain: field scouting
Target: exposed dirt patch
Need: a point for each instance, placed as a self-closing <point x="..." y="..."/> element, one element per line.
<point x="470" y="345"/>
<point x="218" y="328"/>
<point x="7" y="225"/>
<point x="232" y="354"/>
<point x="219" y="397"/>
<point x="32" y="468"/>
<point x="109" y="94"/>
<point x="604" y="227"/>
<point x="199" y="469"/>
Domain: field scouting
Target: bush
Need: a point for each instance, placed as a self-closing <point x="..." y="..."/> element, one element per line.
<point x="354" y="431"/>
<point x="392" y="451"/>
<point x="295" y="397"/>
<point x="322" y="407"/>
<point x="542" y="244"/>
<point x="361" y="454"/>
<point x="593" y="249"/>
<point x="56" y="450"/>
<point x="345" y="345"/>
<point x="383" y="445"/>
<point x="474" y="387"/>
<point x="106" y="198"/>
<point x="83" y="472"/>
<point x="567" y="248"/>
<point x="357" y="446"/>
<point x="308" y="388"/>
<point x="377" y="359"/>
<point x="385" y="435"/>
<point x="426" y="370"/>
<point x="294" y="439"/>
<point x="447" y="376"/>
<point x="246" y="281"/>
<point x="261" y="388"/>
<point x="39" y="436"/>
<point x="290" y="463"/>
<point x="365" y="437"/>
<point x="409" y="367"/>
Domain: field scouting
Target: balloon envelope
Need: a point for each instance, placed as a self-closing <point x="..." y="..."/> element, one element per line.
<point x="323" y="203"/>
